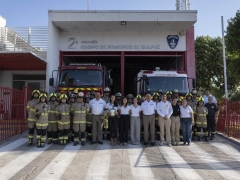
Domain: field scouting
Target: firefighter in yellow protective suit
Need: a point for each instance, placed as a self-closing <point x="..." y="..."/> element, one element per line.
<point x="201" y="119"/>
<point x="32" y="115"/>
<point x="193" y="106"/>
<point x="155" y="98"/>
<point x="106" y="98"/>
<point x="42" y="110"/>
<point x="79" y="111"/>
<point x="63" y="115"/>
<point x="72" y="100"/>
<point x="52" y="120"/>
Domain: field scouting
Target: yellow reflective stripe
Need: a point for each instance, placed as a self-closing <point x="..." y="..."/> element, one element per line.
<point x="201" y="114"/>
<point x="87" y="122"/>
<point x="44" y="114"/>
<point x="52" y="121"/>
<point x="30" y="136"/>
<point x="65" y="113"/>
<point x="38" y="136"/>
<point x="79" y="112"/>
<point x="30" y="119"/>
<point x="41" y="124"/>
<point x="52" y="111"/>
<point x="201" y="122"/>
<point x="106" y="120"/>
<point x="31" y="109"/>
<point x="59" y="122"/>
<point x="83" y="139"/>
<point x="79" y="122"/>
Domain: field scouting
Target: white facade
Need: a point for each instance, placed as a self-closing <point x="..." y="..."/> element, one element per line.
<point x="119" y="41"/>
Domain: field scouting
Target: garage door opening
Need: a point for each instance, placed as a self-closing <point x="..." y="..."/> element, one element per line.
<point x="132" y="66"/>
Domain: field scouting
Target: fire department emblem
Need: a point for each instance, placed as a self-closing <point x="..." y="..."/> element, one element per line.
<point x="172" y="41"/>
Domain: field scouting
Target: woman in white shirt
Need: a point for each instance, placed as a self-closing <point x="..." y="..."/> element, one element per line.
<point x="187" y="120"/>
<point x="112" y="108"/>
<point x="135" y="122"/>
<point x="124" y="122"/>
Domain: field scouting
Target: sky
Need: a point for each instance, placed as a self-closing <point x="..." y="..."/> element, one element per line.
<point x="21" y="13"/>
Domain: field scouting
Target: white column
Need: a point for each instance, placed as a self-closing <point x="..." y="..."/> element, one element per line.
<point x="52" y="54"/>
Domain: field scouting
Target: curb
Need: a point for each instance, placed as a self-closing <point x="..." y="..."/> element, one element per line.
<point x="236" y="141"/>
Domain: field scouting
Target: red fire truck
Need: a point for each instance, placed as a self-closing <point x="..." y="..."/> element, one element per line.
<point x="85" y="77"/>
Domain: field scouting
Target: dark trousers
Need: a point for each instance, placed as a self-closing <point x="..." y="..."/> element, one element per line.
<point x="186" y="124"/>
<point x="113" y="126"/>
<point x="199" y="131"/>
<point x="124" y="126"/>
<point x="211" y="125"/>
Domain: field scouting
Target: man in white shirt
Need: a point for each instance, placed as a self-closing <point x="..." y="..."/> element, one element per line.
<point x="206" y="95"/>
<point x="164" y="110"/>
<point x="149" y="107"/>
<point x="97" y="106"/>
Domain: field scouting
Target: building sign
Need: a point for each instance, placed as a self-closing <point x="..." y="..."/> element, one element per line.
<point x="121" y="41"/>
<point x="172" y="41"/>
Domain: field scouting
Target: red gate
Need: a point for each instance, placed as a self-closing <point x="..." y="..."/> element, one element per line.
<point x="13" y="116"/>
<point x="230" y="124"/>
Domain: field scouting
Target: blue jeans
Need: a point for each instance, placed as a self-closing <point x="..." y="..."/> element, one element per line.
<point x="186" y="124"/>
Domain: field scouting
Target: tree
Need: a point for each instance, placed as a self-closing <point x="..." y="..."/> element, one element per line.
<point x="233" y="35"/>
<point x="209" y="66"/>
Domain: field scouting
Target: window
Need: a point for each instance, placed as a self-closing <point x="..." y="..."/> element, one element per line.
<point x="168" y="84"/>
<point x="76" y="78"/>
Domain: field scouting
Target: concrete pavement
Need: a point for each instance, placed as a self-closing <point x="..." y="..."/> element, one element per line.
<point x="216" y="159"/>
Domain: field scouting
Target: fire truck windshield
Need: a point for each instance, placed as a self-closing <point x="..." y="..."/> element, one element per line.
<point x="168" y="84"/>
<point x="81" y="78"/>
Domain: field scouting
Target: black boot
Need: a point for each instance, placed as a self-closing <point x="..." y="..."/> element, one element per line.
<point x="206" y="138"/>
<point x="199" y="138"/>
<point x="38" y="143"/>
<point x="49" y="141"/>
<point x="211" y="138"/>
<point x="30" y="141"/>
<point x="72" y="138"/>
<point x="108" y="137"/>
<point x="83" y="143"/>
<point x="75" y="143"/>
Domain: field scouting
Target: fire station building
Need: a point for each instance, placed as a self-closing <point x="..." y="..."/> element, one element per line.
<point x="123" y="41"/>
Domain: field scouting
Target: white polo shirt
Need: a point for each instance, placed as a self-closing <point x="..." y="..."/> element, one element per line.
<point x="148" y="108"/>
<point x="185" y="112"/>
<point x="135" y="111"/>
<point x="124" y="110"/>
<point x="164" y="109"/>
<point x="97" y="107"/>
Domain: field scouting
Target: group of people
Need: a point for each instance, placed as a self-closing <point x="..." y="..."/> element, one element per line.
<point x="166" y="116"/>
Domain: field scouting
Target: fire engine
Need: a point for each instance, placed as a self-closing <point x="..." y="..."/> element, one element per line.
<point x="152" y="81"/>
<point x="85" y="77"/>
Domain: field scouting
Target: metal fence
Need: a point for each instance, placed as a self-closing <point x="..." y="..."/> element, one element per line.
<point x="24" y="39"/>
<point x="13" y="115"/>
<point x="229" y="118"/>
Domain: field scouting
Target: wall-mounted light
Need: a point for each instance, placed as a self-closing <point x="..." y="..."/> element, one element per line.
<point x="123" y="23"/>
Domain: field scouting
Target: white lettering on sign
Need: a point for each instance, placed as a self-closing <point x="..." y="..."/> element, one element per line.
<point x="93" y="44"/>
